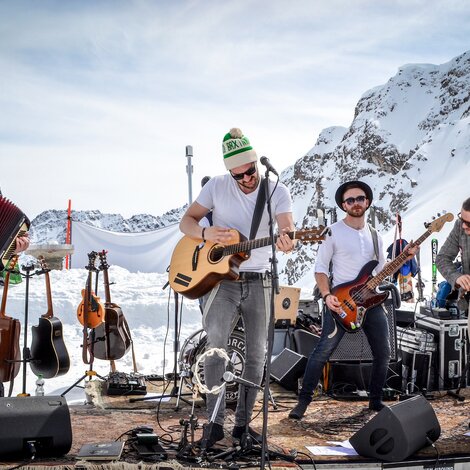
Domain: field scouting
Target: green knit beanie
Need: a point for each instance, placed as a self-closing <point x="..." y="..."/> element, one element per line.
<point x="237" y="150"/>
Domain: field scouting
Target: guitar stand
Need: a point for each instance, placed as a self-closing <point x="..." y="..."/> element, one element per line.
<point x="26" y="356"/>
<point x="90" y="373"/>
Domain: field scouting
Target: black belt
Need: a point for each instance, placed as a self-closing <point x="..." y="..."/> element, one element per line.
<point x="252" y="276"/>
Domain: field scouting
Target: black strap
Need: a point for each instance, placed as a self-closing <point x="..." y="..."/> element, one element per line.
<point x="260" y="201"/>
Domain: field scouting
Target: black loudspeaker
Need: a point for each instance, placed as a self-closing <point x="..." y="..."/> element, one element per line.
<point x="355" y="347"/>
<point x="287" y="367"/>
<point x="281" y="340"/>
<point x="32" y="425"/>
<point x="398" y="431"/>
<point x="305" y="342"/>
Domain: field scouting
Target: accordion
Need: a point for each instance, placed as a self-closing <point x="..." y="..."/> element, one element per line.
<point x="13" y="224"/>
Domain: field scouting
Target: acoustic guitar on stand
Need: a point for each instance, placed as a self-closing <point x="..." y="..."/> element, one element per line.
<point x="196" y="266"/>
<point x="112" y="337"/>
<point x="360" y="295"/>
<point x="90" y="311"/>
<point x="48" y="351"/>
<point x="10" y="328"/>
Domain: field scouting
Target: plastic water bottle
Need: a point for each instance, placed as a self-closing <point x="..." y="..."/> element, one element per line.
<point x="39" y="386"/>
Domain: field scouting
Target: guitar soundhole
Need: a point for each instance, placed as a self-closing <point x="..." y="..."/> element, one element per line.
<point x="216" y="254"/>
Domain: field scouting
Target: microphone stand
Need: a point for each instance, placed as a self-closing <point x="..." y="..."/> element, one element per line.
<point x="274" y="290"/>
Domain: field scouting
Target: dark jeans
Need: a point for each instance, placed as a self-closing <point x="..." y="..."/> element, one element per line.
<point x="377" y="333"/>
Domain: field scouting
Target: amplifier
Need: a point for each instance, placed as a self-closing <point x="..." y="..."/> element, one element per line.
<point x="354" y="347"/>
<point x="286" y="305"/>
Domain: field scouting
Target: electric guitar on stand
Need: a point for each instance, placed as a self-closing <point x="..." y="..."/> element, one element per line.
<point x="49" y="353"/>
<point x="360" y="295"/>
<point x="196" y="266"/>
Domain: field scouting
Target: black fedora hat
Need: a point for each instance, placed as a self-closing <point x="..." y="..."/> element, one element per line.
<point x="349" y="185"/>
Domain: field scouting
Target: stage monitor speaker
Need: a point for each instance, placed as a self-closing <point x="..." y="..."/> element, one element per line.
<point x="31" y="425"/>
<point x="305" y="342"/>
<point x="355" y="347"/>
<point x="398" y="431"/>
<point x="286" y="306"/>
<point x="287" y="367"/>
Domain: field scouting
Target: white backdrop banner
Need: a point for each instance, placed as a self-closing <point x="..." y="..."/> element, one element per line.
<point x="147" y="252"/>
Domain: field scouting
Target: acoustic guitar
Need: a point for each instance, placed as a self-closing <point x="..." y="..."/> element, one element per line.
<point x="49" y="355"/>
<point x="112" y="337"/>
<point x="360" y="295"/>
<point x="197" y="266"/>
<point x="90" y="311"/>
<point x="10" y="329"/>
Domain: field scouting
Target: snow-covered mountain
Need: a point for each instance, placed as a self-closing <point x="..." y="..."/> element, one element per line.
<point x="409" y="139"/>
<point x="50" y="226"/>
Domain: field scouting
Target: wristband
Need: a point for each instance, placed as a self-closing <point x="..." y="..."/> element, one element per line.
<point x="202" y="235"/>
<point x="326" y="296"/>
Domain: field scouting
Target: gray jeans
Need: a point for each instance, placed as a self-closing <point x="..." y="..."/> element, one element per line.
<point x="226" y="302"/>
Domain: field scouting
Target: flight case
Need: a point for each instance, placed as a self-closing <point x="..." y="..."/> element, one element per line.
<point x="452" y="339"/>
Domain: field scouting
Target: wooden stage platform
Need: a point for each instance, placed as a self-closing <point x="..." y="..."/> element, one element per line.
<point x="111" y="418"/>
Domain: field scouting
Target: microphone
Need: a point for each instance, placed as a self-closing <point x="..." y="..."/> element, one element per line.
<point x="265" y="161"/>
<point x="230" y="377"/>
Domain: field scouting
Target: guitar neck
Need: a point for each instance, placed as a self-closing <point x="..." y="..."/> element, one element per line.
<point x="49" y="313"/>
<point x="394" y="265"/>
<point x="107" y="291"/>
<point x="248" y="245"/>
<point x="6" y="281"/>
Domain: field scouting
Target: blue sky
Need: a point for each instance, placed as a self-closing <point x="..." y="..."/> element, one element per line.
<point x="99" y="98"/>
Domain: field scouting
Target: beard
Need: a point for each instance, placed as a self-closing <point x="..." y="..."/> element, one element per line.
<point x="356" y="211"/>
<point x="252" y="183"/>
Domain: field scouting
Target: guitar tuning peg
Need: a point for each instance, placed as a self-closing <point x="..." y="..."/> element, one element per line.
<point x="438" y="214"/>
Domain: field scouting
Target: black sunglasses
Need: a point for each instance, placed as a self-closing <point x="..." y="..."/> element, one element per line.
<point x="351" y="200"/>
<point x="464" y="222"/>
<point x="240" y="176"/>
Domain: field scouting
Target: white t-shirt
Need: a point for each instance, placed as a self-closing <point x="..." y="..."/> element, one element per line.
<point x="349" y="250"/>
<point x="231" y="208"/>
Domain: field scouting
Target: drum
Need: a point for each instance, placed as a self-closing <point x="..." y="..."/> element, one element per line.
<point x="196" y="345"/>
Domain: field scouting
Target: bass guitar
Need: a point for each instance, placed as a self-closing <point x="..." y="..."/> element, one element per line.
<point x="360" y="295"/>
<point x="112" y="337"/>
<point x="48" y="351"/>
<point x="10" y="329"/>
<point x="197" y="266"/>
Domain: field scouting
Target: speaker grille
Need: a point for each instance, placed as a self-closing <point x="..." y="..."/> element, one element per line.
<point x="355" y="347"/>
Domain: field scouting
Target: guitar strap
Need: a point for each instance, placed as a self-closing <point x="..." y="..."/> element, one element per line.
<point x="375" y="240"/>
<point x="260" y="201"/>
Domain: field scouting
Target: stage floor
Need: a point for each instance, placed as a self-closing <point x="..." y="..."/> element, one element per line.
<point x="110" y="418"/>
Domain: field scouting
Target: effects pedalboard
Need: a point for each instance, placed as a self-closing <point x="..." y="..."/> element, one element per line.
<point x="120" y="383"/>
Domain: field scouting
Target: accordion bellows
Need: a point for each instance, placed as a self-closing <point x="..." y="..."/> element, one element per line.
<point x="13" y="224"/>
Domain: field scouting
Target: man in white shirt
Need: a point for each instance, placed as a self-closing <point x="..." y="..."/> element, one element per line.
<point x="232" y="199"/>
<point x="350" y="246"/>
